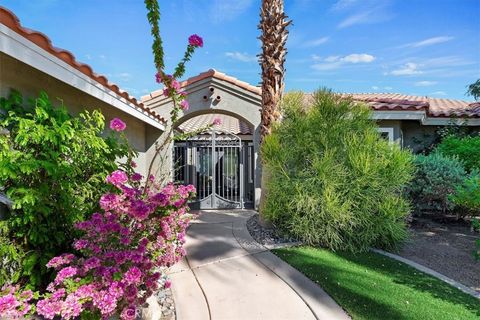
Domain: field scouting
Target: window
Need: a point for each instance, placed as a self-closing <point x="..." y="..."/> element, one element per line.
<point x="386" y="133"/>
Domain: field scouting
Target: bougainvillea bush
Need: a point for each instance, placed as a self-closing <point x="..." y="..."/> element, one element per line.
<point x="141" y="228"/>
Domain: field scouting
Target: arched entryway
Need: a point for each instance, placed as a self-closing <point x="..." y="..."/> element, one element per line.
<point x="219" y="162"/>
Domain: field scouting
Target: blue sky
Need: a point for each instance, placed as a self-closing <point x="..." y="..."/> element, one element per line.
<point x="421" y="47"/>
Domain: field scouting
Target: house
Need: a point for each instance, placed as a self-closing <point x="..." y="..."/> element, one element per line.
<point x="224" y="164"/>
<point x="30" y="63"/>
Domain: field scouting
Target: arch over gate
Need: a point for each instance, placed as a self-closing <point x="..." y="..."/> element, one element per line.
<point x="221" y="167"/>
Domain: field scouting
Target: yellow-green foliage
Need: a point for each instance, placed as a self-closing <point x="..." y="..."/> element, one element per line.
<point x="333" y="181"/>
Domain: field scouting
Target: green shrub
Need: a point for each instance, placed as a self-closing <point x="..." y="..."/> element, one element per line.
<point x="332" y="181"/>
<point x="53" y="167"/>
<point x="467" y="196"/>
<point x="436" y="177"/>
<point x="466" y="149"/>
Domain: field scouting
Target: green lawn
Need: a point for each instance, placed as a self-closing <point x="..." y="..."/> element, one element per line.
<point x="371" y="286"/>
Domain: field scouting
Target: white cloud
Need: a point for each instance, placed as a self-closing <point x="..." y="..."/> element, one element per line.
<point x="425" y="83"/>
<point x="388" y="88"/>
<point x="439" y="93"/>
<point x="244" y="57"/>
<point x="408" y="69"/>
<point x="316" y="42"/>
<point x="334" y="62"/>
<point x="357" y="58"/>
<point x="429" y="41"/>
<point x="225" y="10"/>
<point x="375" y="88"/>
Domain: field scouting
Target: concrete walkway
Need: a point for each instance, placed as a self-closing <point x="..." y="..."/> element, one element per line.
<point x="227" y="275"/>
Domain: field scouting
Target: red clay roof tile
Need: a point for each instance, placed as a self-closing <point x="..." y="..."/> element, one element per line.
<point x="435" y="107"/>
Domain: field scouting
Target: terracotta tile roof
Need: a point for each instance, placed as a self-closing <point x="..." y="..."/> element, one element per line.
<point x="11" y="21"/>
<point x="229" y="124"/>
<point x="435" y="107"/>
<point x="212" y="73"/>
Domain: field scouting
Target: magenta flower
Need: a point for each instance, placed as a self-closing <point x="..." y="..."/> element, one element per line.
<point x="217" y="122"/>
<point x="80" y="244"/>
<point x="158" y="77"/>
<point x="108" y="201"/>
<point x="117" y="125"/>
<point x="133" y="275"/>
<point x="136" y="177"/>
<point x="117" y="178"/>
<point x="167" y="284"/>
<point x="195" y="41"/>
<point x="65" y="273"/>
<point x="184" y="105"/>
<point x="129" y="313"/>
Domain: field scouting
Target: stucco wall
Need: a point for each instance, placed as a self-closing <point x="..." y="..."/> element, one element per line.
<point x="234" y="101"/>
<point x="29" y="81"/>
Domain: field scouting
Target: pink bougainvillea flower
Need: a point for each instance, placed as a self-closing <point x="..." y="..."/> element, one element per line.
<point x="133" y="275"/>
<point x="158" y="77"/>
<point x="195" y="41"/>
<point x="117" y="177"/>
<point x="117" y="125"/>
<point x="136" y="177"/>
<point x="167" y="284"/>
<point x="129" y="313"/>
<point x="217" y="121"/>
<point x="184" y="105"/>
<point x="65" y="273"/>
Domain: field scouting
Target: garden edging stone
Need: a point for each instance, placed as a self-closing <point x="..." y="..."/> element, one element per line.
<point x="431" y="272"/>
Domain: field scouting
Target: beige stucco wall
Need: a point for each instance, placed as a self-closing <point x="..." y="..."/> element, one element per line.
<point x="234" y="101"/>
<point x="30" y="81"/>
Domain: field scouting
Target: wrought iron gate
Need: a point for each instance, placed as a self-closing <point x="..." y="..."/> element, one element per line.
<point x="215" y="163"/>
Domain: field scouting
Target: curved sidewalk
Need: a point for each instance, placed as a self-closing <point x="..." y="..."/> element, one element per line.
<point x="227" y="275"/>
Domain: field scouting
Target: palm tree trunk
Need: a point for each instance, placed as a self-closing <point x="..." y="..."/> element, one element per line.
<point x="274" y="34"/>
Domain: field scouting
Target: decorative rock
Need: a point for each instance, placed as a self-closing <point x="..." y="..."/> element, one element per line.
<point x="266" y="235"/>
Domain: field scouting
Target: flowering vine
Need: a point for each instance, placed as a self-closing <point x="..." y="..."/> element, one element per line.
<point x="172" y="87"/>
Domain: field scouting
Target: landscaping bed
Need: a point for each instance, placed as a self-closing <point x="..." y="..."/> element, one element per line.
<point x="372" y="286"/>
<point x="266" y="234"/>
<point x="446" y="248"/>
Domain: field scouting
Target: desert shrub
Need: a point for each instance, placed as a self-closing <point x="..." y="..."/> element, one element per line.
<point x="53" y="167"/>
<point x="332" y="181"/>
<point x="436" y="177"/>
<point x="466" y="196"/>
<point x="466" y="149"/>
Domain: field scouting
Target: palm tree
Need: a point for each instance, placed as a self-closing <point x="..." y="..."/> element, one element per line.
<point x="274" y="34"/>
<point x="273" y="24"/>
